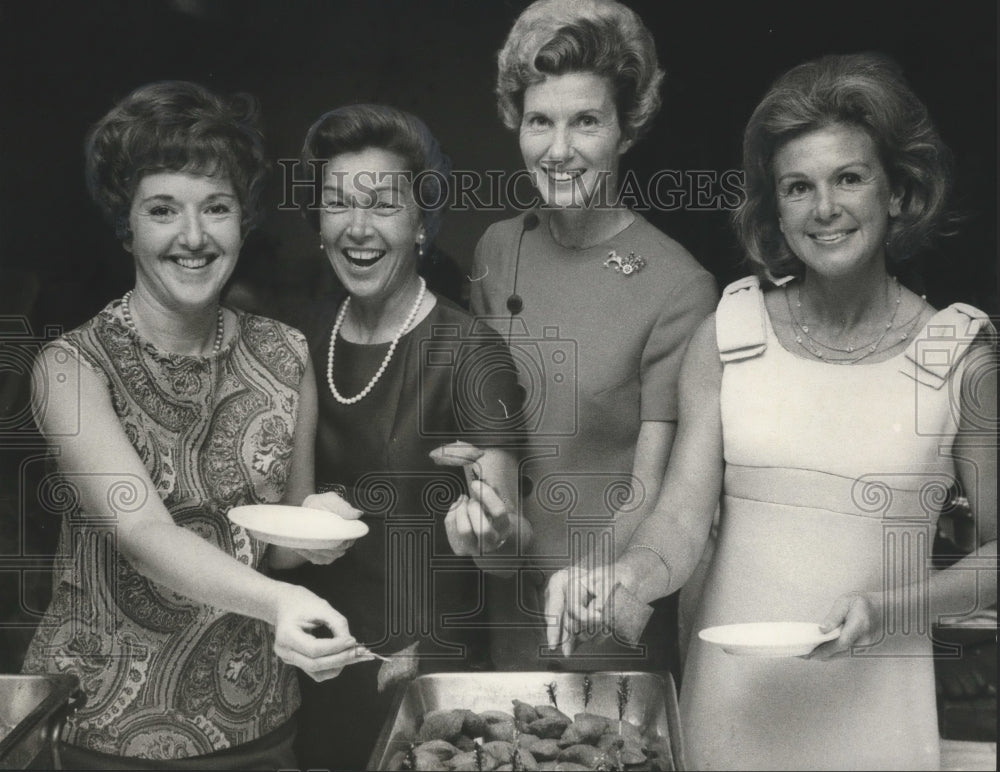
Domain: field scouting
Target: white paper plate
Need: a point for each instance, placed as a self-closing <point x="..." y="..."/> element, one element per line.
<point x="297" y="527"/>
<point x="768" y="639"/>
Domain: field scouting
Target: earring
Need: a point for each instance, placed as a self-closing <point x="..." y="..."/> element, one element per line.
<point x="321" y="246"/>
<point x="420" y="244"/>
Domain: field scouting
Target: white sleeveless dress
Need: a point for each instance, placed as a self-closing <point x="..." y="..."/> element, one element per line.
<point x="834" y="479"/>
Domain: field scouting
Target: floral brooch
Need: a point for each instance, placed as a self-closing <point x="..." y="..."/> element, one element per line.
<point x="633" y="263"/>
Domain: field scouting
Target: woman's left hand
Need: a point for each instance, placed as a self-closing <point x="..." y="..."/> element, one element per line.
<point x="860" y="615"/>
<point x="331" y="502"/>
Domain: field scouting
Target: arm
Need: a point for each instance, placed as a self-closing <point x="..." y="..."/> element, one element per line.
<point x="970" y="584"/>
<point x="662" y="359"/>
<point x="101" y="458"/>
<point x="679" y="525"/>
<point x="652" y="452"/>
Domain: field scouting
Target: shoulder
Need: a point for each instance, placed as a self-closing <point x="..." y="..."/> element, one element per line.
<point x="81" y="346"/>
<point x="679" y="277"/>
<point x="501" y="233"/>
<point x="272" y="342"/>
<point x="450" y="321"/>
<point x="266" y="323"/>
<point x="666" y="251"/>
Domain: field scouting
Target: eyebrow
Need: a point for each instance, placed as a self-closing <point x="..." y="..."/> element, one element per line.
<point x="373" y="189"/>
<point x="168" y="198"/>
<point x="842" y="167"/>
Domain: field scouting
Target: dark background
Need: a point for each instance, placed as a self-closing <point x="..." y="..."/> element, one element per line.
<point x="62" y="65"/>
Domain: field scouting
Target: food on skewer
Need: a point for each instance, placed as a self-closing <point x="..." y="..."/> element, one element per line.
<point x="532" y="737"/>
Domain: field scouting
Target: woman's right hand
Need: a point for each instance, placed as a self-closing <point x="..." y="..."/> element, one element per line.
<point x="478" y="524"/>
<point x="300" y="614"/>
<point x="481" y="522"/>
<point x="576" y="599"/>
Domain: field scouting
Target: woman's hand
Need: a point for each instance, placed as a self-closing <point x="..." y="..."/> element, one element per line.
<point x="312" y="636"/>
<point x="577" y="600"/>
<point x="861" y="615"/>
<point x="331" y="502"/>
<point x="479" y="523"/>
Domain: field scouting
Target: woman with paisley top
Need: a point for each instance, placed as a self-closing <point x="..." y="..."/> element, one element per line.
<point x="165" y="411"/>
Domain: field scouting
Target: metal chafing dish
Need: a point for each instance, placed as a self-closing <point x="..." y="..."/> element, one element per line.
<point x="652" y="704"/>
<point x="33" y="709"/>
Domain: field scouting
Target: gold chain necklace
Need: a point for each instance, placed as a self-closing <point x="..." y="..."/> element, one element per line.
<point x="867" y="349"/>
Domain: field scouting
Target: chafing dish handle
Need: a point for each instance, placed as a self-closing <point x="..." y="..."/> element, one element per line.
<point x="58" y="720"/>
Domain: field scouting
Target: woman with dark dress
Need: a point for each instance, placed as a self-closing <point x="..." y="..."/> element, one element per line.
<point x="400" y="373"/>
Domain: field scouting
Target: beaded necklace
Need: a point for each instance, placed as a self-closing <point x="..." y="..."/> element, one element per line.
<point x="385" y="362"/>
<point x="220" y="325"/>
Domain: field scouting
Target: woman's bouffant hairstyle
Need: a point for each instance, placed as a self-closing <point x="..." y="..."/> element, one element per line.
<point x="181" y="127"/>
<point x="354" y="128"/>
<point x="555" y="37"/>
<point x="866" y="91"/>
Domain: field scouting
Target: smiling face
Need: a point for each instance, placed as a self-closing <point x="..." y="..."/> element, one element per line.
<point x="185" y="236"/>
<point x="370" y="224"/>
<point x="834" y="199"/>
<point x="571" y="139"/>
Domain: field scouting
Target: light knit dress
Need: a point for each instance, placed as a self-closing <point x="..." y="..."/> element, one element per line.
<point x="834" y="479"/>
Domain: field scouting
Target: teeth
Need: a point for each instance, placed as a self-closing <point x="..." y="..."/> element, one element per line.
<point x="563" y="176"/>
<point x="364" y="255"/>
<point x="830" y="237"/>
<point x="191" y="262"/>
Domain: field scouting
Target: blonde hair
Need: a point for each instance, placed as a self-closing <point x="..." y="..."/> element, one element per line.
<point x="553" y="37"/>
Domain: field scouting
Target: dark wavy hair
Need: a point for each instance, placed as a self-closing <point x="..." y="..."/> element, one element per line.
<point x="354" y="128"/>
<point x="866" y="91"/>
<point x="175" y="126"/>
<point x="554" y="37"/>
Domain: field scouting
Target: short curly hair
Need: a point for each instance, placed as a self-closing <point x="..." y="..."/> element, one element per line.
<point x="175" y="126"/>
<point x="354" y="128"/>
<point x="554" y="37"/>
<point x="866" y="91"/>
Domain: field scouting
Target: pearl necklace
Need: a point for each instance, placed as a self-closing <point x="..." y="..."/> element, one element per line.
<point x="868" y="348"/>
<point x="385" y="362"/>
<point x="220" y="325"/>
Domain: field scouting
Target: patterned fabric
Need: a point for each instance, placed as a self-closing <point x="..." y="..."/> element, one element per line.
<point x="166" y="677"/>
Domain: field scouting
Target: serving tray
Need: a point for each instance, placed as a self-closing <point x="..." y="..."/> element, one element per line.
<point x="652" y="704"/>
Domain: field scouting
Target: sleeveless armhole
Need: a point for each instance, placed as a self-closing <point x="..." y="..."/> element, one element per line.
<point x="78" y="354"/>
<point x="932" y="357"/>
<point x="740" y="330"/>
